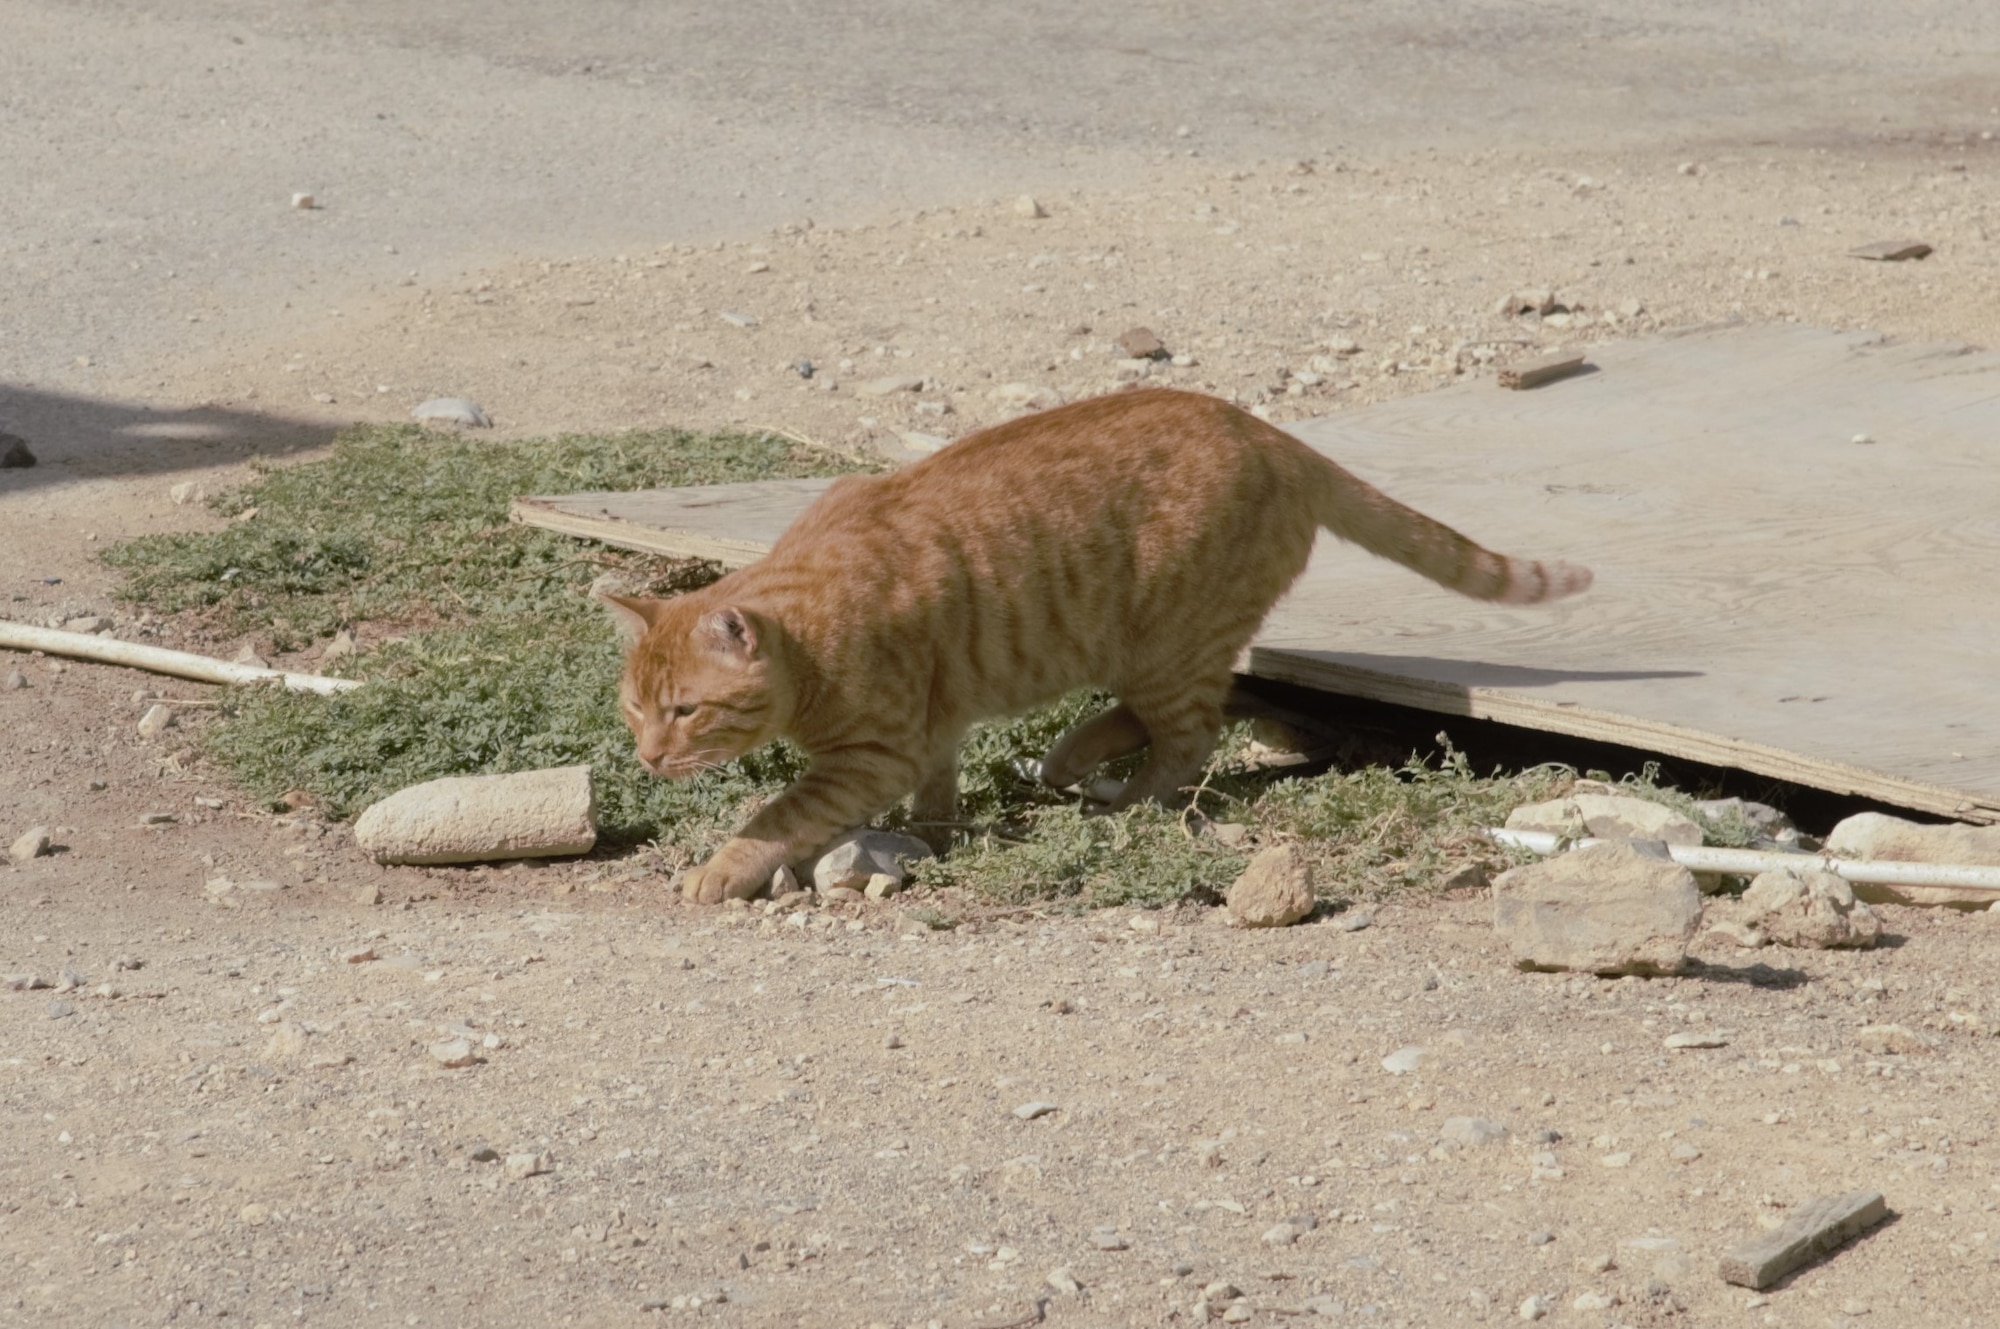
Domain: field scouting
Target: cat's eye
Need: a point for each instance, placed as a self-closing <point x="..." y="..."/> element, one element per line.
<point x="686" y="708"/>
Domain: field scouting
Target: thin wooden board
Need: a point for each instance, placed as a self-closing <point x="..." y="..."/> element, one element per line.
<point x="1770" y="594"/>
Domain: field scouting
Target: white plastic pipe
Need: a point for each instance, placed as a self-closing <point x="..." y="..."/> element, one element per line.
<point x="159" y="660"/>
<point x="1748" y="862"/>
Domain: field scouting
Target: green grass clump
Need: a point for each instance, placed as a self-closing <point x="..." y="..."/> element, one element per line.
<point x="402" y="525"/>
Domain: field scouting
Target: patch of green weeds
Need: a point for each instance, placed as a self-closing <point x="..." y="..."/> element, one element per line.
<point x="403" y="525"/>
<point x="1145" y="856"/>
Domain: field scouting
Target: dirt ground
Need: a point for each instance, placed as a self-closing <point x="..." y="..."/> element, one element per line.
<point x="219" y="1110"/>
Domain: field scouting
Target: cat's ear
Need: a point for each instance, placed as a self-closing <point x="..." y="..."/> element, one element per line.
<point x="634" y="613"/>
<point x="732" y="632"/>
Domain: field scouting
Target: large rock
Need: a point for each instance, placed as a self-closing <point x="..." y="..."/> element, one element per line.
<point x="855" y="858"/>
<point x="473" y="818"/>
<point x="1606" y="817"/>
<point x="1810" y="909"/>
<point x="1617" y="908"/>
<point x="1874" y="835"/>
<point x="1275" y="891"/>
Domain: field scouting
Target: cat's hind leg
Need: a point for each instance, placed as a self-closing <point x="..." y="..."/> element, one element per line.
<point x="1184" y="722"/>
<point x="1106" y="736"/>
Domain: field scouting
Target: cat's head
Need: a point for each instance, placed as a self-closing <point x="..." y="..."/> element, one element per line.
<point x="702" y="684"/>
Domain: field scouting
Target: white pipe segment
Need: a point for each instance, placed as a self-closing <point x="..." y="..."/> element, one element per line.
<point x="159" y="660"/>
<point x="1748" y="862"/>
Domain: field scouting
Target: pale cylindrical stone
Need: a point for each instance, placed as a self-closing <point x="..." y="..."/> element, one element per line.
<point x="473" y="818"/>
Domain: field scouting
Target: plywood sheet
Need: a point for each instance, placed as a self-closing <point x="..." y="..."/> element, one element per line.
<point x="1771" y="594"/>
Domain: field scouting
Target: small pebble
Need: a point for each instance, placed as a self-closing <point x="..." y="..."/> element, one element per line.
<point x="1404" y="1060"/>
<point x="156" y="721"/>
<point x="452" y="411"/>
<point x="32" y="843"/>
<point x="16" y="680"/>
<point x="14" y="452"/>
<point x="1540" y="1238"/>
<point x="357" y="955"/>
<point x="1107" y="1239"/>
<point x="1027" y="206"/>
<point x="454" y="1053"/>
<point x="1534" y="1308"/>
<point x="519" y="1167"/>
<point x="304" y="202"/>
<point x="1038" y="1108"/>
<point x="1354" y="920"/>
<point x="1063" y="1281"/>
<point x="1861" y="438"/>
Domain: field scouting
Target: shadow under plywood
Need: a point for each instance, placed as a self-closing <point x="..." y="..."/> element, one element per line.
<point x="1796" y="535"/>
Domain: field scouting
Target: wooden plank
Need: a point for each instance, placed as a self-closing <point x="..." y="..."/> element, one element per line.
<point x="733" y="525"/>
<point x="1819" y="1226"/>
<point x="1770" y="595"/>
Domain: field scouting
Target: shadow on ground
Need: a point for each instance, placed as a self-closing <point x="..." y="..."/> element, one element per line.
<point x="78" y="438"/>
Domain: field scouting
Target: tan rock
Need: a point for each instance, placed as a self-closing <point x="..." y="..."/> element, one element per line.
<point x="1607" y="817"/>
<point x="1878" y="836"/>
<point x="473" y="818"/>
<point x="1812" y="909"/>
<point x="31" y="843"/>
<point x="1615" y="908"/>
<point x="1892" y="1040"/>
<point x="1275" y="891"/>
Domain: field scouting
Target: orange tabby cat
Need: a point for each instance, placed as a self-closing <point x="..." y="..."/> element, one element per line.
<point x="1133" y="542"/>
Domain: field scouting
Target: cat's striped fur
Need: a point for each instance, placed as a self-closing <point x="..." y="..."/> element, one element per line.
<point x="1133" y="542"/>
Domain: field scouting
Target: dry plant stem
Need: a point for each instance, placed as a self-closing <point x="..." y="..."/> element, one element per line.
<point x="159" y="660"/>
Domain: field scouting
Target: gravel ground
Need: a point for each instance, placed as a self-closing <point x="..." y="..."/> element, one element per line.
<point x="811" y="1119"/>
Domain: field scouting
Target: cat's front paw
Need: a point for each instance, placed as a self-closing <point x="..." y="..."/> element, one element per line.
<point x="733" y="874"/>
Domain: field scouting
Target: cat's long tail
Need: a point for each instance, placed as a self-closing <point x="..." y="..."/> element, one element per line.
<point x="1356" y="511"/>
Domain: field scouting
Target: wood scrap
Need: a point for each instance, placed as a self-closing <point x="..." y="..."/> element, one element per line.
<point x="1891" y="251"/>
<point x="1819" y="1226"/>
<point x="1541" y="369"/>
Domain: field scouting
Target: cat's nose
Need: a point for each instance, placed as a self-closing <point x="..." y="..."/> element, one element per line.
<point x="652" y="756"/>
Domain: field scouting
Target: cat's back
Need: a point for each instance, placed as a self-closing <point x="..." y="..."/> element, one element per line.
<point x="1155" y="463"/>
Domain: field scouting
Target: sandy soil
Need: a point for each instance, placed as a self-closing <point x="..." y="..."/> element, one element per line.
<point x="810" y="1119"/>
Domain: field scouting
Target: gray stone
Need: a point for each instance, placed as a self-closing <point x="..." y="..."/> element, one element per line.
<point x="1877" y="835"/>
<point x="156" y="721"/>
<point x="471" y="818"/>
<point x="858" y="857"/>
<point x="1761" y="818"/>
<point x="31" y="843"/>
<point x="1142" y="344"/>
<point x="1404" y="1060"/>
<point x="87" y="623"/>
<point x="186" y="492"/>
<point x="1533" y="301"/>
<point x="14" y="452"/>
<point x="1812" y="909"/>
<point x="519" y="1167"/>
<point x="1607" y="817"/>
<point x="1276" y="890"/>
<point x="454" y="1053"/>
<point x="1038" y="1108"/>
<point x="1473" y="1131"/>
<point x="1027" y="206"/>
<point x="461" y="411"/>
<point x="1613" y="908"/>
<point x="16" y="680"/>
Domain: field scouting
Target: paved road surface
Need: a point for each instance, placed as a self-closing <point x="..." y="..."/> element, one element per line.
<point x="149" y="150"/>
